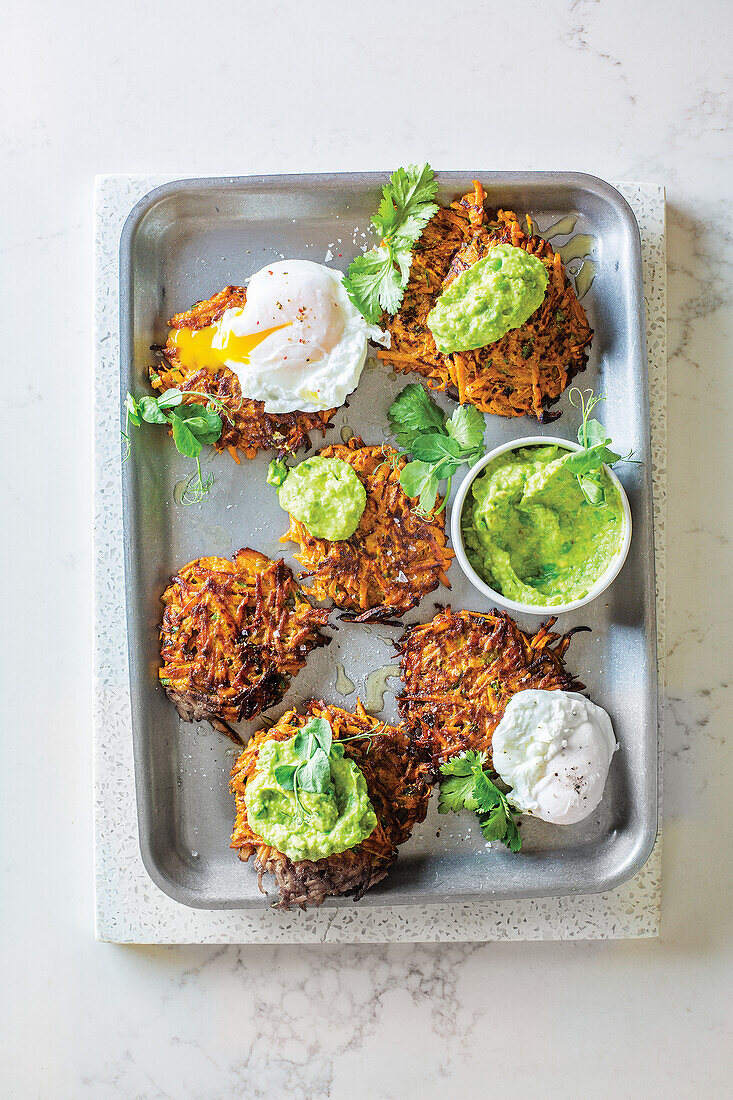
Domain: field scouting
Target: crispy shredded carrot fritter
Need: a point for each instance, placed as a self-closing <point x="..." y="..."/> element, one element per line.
<point x="525" y="371"/>
<point x="397" y="788"/>
<point x="459" y="672"/>
<point x="393" y="558"/>
<point x="250" y="429"/>
<point x="232" y="636"/>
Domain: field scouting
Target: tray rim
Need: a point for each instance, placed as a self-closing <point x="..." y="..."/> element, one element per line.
<point x="646" y="835"/>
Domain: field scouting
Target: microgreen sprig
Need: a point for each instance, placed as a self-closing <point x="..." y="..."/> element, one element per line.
<point x="468" y="785"/>
<point x="439" y="446"/>
<point x="390" y="460"/>
<point x="193" y="426"/>
<point x="588" y="463"/>
<point x="315" y="747"/>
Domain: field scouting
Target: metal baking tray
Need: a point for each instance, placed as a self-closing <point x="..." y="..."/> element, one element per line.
<point x="186" y="240"/>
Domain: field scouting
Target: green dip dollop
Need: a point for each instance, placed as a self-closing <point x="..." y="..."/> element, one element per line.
<point x="483" y="303"/>
<point x="326" y="495"/>
<point x="333" y="822"/>
<point x="530" y="533"/>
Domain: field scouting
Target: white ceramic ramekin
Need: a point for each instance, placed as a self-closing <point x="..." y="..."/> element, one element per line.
<point x="601" y="584"/>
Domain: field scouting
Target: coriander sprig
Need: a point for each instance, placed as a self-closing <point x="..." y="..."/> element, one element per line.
<point x="594" y="439"/>
<point x="193" y="426"/>
<point x="376" y="281"/>
<point x="469" y="786"/>
<point x="439" y="446"/>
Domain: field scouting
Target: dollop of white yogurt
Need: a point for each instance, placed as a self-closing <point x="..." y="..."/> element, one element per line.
<point x="554" y="748"/>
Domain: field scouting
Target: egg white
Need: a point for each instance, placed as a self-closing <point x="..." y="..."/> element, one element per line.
<point x="316" y="360"/>
<point x="554" y="748"/>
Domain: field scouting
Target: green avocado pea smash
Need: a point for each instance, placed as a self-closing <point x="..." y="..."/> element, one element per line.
<point x="325" y="494"/>
<point x="305" y="798"/>
<point x="483" y="303"/>
<point x="531" y="532"/>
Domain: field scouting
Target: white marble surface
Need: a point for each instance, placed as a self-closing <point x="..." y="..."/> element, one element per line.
<point x="621" y="89"/>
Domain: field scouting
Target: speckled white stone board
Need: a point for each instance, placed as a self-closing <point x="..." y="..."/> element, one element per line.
<point x="129" y="907"/>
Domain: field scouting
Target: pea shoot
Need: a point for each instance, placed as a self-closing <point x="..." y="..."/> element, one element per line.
<point x="587" y="465"/>
<point x="193" y="427"/>
<point x="315" y="747"/>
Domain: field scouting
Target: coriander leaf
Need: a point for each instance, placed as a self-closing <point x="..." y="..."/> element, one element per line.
<point x="466" y="426"/>
<point x="420" y="427"/>
<point x="456" y="793"/>
<point x="407" y="202"/>
<point x="170" y="398"/>
<point x="320" y="729"/>
<point x="464" y="764"/>
<point x="315" y="775"/>
<point x="413" y="413"/>
<point x="151" y="412"/>
<point x="372" y="283"/>
<point x="401" y="252"/>
<point x="456" y="788"/>
<point x="435" y="446"/>
<point x="378" y="278"/>
<point x="277" y="471"/>
<point x="494" y="824"/>
<point x="467" y="786"/>
<point x="487" y="795"/>
<point x="185" y="440"/>
<point x="386" y="219"/>
<point x="284" y="774"/>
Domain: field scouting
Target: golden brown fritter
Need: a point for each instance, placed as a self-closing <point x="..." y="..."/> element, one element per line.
<point x="233" y="634"/>
<point x="249" y="428"/>
<point x="393" y="558"/>
<point x="397" y="789"/>
<point x="525" y="371"/>
<point x="459" y="672"/>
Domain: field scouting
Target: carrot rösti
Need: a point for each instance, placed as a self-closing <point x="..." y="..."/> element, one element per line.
<point x="525" y="371"/>
<point x="394" y="557"/>
<point x="233" y="634"/>
<point x="398" y="792"/>
<point x="460" y="670"/>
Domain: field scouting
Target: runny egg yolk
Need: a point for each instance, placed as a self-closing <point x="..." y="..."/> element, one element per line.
<point x="196" y="346"/>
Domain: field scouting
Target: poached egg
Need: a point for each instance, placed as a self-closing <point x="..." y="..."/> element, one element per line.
<point x="554" y="748"/>
<point x="297" y="344"/>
